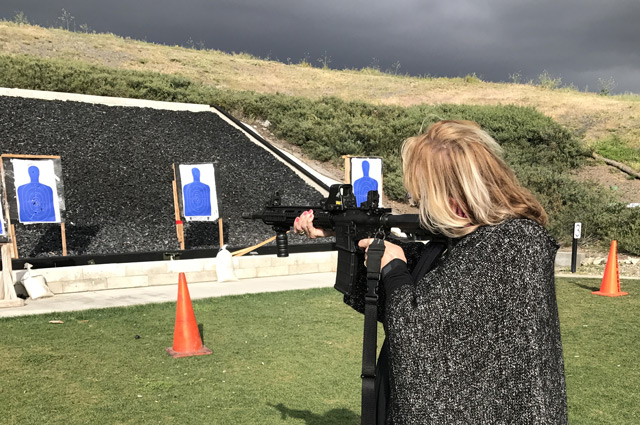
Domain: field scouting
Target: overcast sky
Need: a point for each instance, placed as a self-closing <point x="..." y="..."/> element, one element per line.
<point x="578" y="41"/>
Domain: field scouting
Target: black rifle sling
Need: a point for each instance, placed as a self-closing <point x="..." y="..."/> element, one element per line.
<point x="429" y="256"/>
<point x="370" y="339"/>
<point x="431" y="253"/>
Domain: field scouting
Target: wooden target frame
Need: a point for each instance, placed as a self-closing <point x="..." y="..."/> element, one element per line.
<point x="178" y="212"/>
<point x="8" y="297"/>
<point x="11" y="227"/>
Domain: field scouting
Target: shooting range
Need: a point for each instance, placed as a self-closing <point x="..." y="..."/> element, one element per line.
<point x="153" y="219"/>
<point x="118" y="160"/>
<point x="365" y="174"/>
<point x="120" y="211"/>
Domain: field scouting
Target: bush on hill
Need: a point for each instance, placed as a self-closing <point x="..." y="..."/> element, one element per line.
<point x="539" y="149"/>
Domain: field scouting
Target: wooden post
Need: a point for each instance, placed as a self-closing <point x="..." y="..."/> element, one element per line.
<point x="244" y="251"/>
<point x="176" y="207"/>
<point x="10" y="227"/>
<point x="13" y="240"/>
<point x="63" y="233"/>
<point x="8" y="155"/>
<point x="347" y="168"/>
<point x="8" y="297"/>
<point x="220" y="232"/>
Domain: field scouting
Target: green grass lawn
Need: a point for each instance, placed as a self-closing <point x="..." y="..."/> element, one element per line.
<point x="290" y="357"/>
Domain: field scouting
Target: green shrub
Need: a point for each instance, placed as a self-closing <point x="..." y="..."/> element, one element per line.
<point x="20" y="18"/>
<point x="540" y="150"/>
<point x="568" y="201"/>
<point x="546" y="81"/>
<point x="472" y="78"/>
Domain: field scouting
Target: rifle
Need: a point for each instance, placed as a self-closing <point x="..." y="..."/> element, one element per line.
<point x="339" y="212"/>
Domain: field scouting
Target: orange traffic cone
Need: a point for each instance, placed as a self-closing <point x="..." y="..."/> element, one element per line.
<point x="610" y="286"/>
<point x="186" y="336"/>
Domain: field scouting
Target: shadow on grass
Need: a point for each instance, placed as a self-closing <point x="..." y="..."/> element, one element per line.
<point x="201" y="331"/>
<point x="587" y="287"/>
<point x="334" y="416"/>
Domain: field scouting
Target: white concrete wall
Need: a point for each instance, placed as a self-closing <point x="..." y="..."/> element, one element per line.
<point x="152" y="273"/>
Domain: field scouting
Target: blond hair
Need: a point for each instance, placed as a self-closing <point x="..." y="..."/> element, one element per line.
<point x="457" y="167"/>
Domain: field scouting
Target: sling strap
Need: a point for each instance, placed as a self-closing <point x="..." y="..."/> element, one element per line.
<point x="432" y="251"/>
<point x="428" y="258"/>
<point x="370" y="339"/>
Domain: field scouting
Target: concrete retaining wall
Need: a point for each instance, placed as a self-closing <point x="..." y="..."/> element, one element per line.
<point x="563" y="259"/>
<point x="153" y="273"/>
<point x="130" y="275"/>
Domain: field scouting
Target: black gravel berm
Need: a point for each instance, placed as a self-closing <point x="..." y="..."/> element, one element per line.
<point x="117" y="175"/>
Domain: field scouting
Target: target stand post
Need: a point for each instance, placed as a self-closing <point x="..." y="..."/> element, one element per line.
<point x="8" y="297"/>
<point x="176" y="208"/>
<point x="220" y="232"/>
<point x="10" y="229"/>
<point x="14" y="244"/>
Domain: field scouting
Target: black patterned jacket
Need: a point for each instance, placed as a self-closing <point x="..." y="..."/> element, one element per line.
<point x="477" y="340"/>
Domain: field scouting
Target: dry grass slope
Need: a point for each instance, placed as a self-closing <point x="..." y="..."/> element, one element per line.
<point x="593" y="117"/>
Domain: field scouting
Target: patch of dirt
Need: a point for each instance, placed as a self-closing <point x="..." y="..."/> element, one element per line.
<point x="626" y="189"/>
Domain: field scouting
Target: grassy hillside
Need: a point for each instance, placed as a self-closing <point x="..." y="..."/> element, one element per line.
<point x="330" y="113"/>
<point x="591" y="116"/>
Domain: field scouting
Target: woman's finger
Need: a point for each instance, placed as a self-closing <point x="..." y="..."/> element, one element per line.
<point x="296" y="226"/>
<point x="364" y="243"/>
<point x="307" y="223"/>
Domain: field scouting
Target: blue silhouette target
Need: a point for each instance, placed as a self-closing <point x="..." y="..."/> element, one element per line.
<point x="366" y="175"/>
<point x="36" y="200"/>
<point x="36" y="191"/>
<point x="365" y="184"/>
<point x="199" y="197"/>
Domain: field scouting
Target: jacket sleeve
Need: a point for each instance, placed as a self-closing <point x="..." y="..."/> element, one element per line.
<point x="355" y="300"/>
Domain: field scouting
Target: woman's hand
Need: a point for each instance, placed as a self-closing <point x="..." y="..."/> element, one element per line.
<point x="304" y="226"/>
<point x="391" y="252"/>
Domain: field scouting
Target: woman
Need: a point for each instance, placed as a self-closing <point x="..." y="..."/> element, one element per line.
<point x="476" y="339"/>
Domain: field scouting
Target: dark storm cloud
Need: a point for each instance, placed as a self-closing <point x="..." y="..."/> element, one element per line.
<point x="578" y="41"/>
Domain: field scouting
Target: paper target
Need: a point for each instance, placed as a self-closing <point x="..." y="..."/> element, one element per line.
<point x="366" y="175"/>
<point x="199" y="197"/>
<point x="35" y="182"/>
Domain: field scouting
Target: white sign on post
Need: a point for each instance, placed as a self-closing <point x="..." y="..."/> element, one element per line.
<point x="577" y="230"/>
